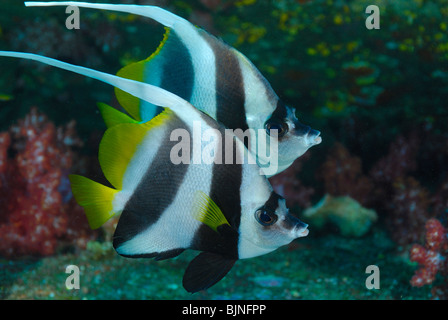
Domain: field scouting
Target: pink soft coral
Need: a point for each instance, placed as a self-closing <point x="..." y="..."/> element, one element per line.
<point x="432" y="257"/>
<point x="35" y="158"/>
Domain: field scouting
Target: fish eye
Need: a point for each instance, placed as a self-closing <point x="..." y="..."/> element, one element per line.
<point x="265" y="217"/>
<point x="274" y="124"/>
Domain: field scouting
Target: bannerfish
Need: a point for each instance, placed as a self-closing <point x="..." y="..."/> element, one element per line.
<point x="215" y="78"/>
<point x="227" y="211"/>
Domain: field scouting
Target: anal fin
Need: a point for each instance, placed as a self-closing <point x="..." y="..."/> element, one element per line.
<point x="206" y="270"/>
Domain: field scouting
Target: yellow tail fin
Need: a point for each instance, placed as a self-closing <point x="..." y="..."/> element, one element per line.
<point x="95" y="198"/>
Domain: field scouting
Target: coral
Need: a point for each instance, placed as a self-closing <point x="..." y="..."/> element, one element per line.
<point x="408" y="211"/>
<point x="346" y="213"/>
<point x="401" y="199"/>
<point x="288" y="185"/>
<point x="38" y="210"/>
<point x="440" y="200"/>
<point x="5" y="142"/>
<point x="399" y="161"/>
<point x="433" y="258"/>
<point x="405" y="203"/>
<point x="342" y="175"/>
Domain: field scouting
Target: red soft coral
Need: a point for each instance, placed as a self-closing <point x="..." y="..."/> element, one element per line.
<point x="408" y="210"/>
<point x="35" y="159"/>
<point x="432" y="257"/>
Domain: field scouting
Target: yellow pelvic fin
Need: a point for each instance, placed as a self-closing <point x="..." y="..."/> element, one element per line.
<point x="136" y="71"/>
<point x="120" y="143"/>
<point x="112" y="116"/>
<point x="95" y="198"/>
<point x="208" y="212"/>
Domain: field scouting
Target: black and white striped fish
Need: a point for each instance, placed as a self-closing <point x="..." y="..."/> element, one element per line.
<point x="228" y="211"/>
<point x="216" y="79"/>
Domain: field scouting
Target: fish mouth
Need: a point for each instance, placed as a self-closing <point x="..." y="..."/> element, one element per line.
<point x="310" y="136"/>
<point x="313" y="137"/>
<point x="301" y="230"/>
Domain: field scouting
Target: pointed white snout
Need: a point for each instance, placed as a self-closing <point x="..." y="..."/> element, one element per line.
<point x="301" y="230"/>
<point x="313" y="137"/>
<point x="303" y="233"/>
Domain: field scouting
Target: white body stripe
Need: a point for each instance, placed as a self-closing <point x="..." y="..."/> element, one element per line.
<point x="258" y="105"/>
<point x="145" y="154"/>
<point x="203" y="60"/>
<point x="177" y="225"/>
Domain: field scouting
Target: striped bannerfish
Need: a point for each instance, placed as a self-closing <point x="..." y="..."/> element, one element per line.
<point x="216" y="79"/>
<point x="227" y="211"/>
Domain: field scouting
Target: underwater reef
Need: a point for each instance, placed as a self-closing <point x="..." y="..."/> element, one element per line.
<point x="433" y="258"/>
<point x="378" y="97"/>
<point x="38" y="212"/>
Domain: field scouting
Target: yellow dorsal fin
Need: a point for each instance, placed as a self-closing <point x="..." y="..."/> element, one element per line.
<point x="136" y="71"/>
<point x="112" y="116"/>
<point x="208" y="212"/>
<point x="95" y="198"/>
<point x="120" y="143"/>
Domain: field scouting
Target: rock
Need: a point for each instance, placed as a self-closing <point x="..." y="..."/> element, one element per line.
<point x="347" y="214"/>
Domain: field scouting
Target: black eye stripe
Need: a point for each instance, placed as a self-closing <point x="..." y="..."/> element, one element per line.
<point x="272" y="203"/>
<point x="280" y="111"/>
<point x="277" y="119"/>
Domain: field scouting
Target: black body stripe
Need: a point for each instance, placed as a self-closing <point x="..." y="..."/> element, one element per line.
<point x="225" y="192"/>
<point x="155" y="192"/>
<point x="230" y="94"/>
<point x="178" y="73"/>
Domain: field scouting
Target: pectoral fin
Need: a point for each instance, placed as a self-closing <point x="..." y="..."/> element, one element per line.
<point x="208" y="212"/>
<point x="205" y="270"/>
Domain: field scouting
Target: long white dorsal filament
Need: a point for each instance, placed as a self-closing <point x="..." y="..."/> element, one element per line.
<point x="144" y="91"/>
<point x="164" y="17"/>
